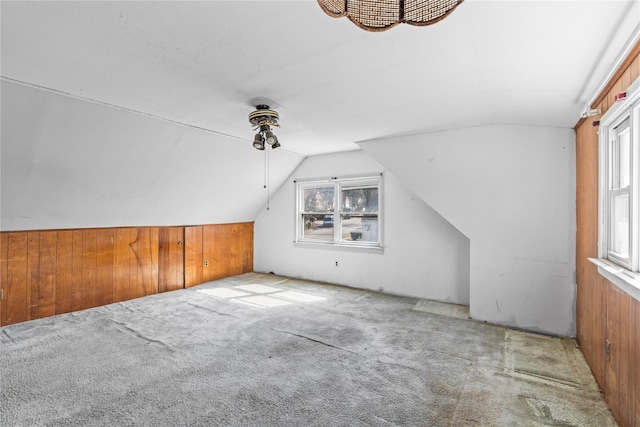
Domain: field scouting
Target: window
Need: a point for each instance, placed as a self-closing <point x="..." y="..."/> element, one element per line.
<point x="619" y="189"/>
<point x="339" y="211"/>
<point x="619" y="170"/>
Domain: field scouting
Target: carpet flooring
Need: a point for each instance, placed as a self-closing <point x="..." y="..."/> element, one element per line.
<point x="264" y="350"/>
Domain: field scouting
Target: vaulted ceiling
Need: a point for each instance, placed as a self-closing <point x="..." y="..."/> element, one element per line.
<point x="207" y="64"/>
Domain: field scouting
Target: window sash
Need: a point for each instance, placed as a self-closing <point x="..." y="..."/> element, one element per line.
<point x="619" y="237"/>
<point x="353" y="225"/>
<point x="620" y="155"/>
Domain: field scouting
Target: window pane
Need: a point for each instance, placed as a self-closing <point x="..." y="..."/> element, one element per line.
<point x="624" y="158"/>
<point x="621" y="156"/>
<point x="318" y="199"/>
<point x="360" y="199"/>
<point x="619" y="243"/>
<point x="358" y="227"/>
<point x="318" y="227"/>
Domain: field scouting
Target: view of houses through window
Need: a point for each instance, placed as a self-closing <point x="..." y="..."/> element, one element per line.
<point x="340" y="211"/>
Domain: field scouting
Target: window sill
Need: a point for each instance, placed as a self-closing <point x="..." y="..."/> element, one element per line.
<point x="340" y="247"/>
<point x="624" y="279"/>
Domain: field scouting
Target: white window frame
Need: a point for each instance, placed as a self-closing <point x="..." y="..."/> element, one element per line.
<point x="338" y="184"/>
<point x="622" y="271"/>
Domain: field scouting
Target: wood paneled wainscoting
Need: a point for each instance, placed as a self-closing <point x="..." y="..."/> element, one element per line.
<point x="608" y="320"/>
<point x="43" y="273"/>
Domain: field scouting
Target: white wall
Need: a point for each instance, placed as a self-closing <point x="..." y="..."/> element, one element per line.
<point x="68" y="163"/>
<point x="424" y="255"/>
<point x="511" y="190"/>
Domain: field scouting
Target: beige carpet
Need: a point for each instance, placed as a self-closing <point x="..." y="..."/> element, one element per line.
<point x="262" y="350"/>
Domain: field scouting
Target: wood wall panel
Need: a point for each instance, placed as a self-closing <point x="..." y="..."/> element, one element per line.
<point x="33" y="274"/>
<point x="193" y="256"/>
<point x="619" y="323"/>
<point x="47" y="274"/>
<point x="603" y="312"/>
<point x="170" y="259"/>
<point x="64" y="272"/>
<point x="105" y="243"/>
<point x="4" y="239"/>
<point x="77" y="269"/>
<point x="43" y="273"/>
<point x="121" y="276"/>
<point x="132" y="244"/>
<point x="89" y="267"/>
<point x="148" y="260"/>
<point x="591" y="298"/>
<point x="15" y="298"/>
<point x="227" y="250"/>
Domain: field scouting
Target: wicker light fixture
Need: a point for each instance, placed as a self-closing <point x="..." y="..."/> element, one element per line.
<point x="380" y="15"/>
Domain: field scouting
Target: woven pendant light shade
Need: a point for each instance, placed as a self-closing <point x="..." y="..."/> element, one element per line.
<point x="380" y="15"/>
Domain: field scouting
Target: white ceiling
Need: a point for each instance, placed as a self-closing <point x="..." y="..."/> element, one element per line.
<point x="207" y="63"/>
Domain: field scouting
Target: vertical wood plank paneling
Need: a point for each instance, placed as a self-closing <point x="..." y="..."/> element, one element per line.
<point x="105" y="239"/>
<point x="220" y="248"/>
<point x="207" y="251"/>
<point x="134" y="289"/>
<point x="147" y="260"/>
<point x="47" y="284"/>
<point x="33" y="274"/>
<point x="228" y="248"/>
<point x="151" y="287"/>
<point x="164" y="259"/>
<point x="193" y="256"/>
<point x="64" y="272"/>
<point x="618" y="331"/>
<point x="15" y="309"/>
<point x="170" y="258"/>
<point x="603" y="312"/>
<point x="588" y="317"/>
<point x="89" y="266"/>
<point x="78" y="259"/>
<point x="43" y="273"/>
<point x="248" y="248"/>
<point x="145" y="285"/>
<point x="177" y="258"/>
<point x="616" y="89"/>
<point x="625" y="79"/>
<point x="235" y="246"/>
<point x="4" y="241"/>
<point x="121" y="256"/>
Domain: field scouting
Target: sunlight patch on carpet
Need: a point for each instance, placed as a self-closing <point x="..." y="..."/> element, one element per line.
<point x="261" y="296"/>
<point x="223" y="293"/>
<point x="258" y="289"/>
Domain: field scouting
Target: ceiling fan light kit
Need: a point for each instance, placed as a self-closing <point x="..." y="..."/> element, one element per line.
<point x="262" y="119"/>
<point x="380" y="15"/>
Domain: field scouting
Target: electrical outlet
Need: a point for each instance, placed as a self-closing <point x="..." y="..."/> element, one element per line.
<point x="206" y="263"/>
<point x="337" y="264"/>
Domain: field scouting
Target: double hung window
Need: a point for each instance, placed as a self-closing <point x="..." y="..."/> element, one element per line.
<point x="340" y="211"/>
<point x="619" y="173"/>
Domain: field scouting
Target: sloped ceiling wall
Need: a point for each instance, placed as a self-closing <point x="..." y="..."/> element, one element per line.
<point x="511" y="191"/>
<point x="69" y="163"/>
